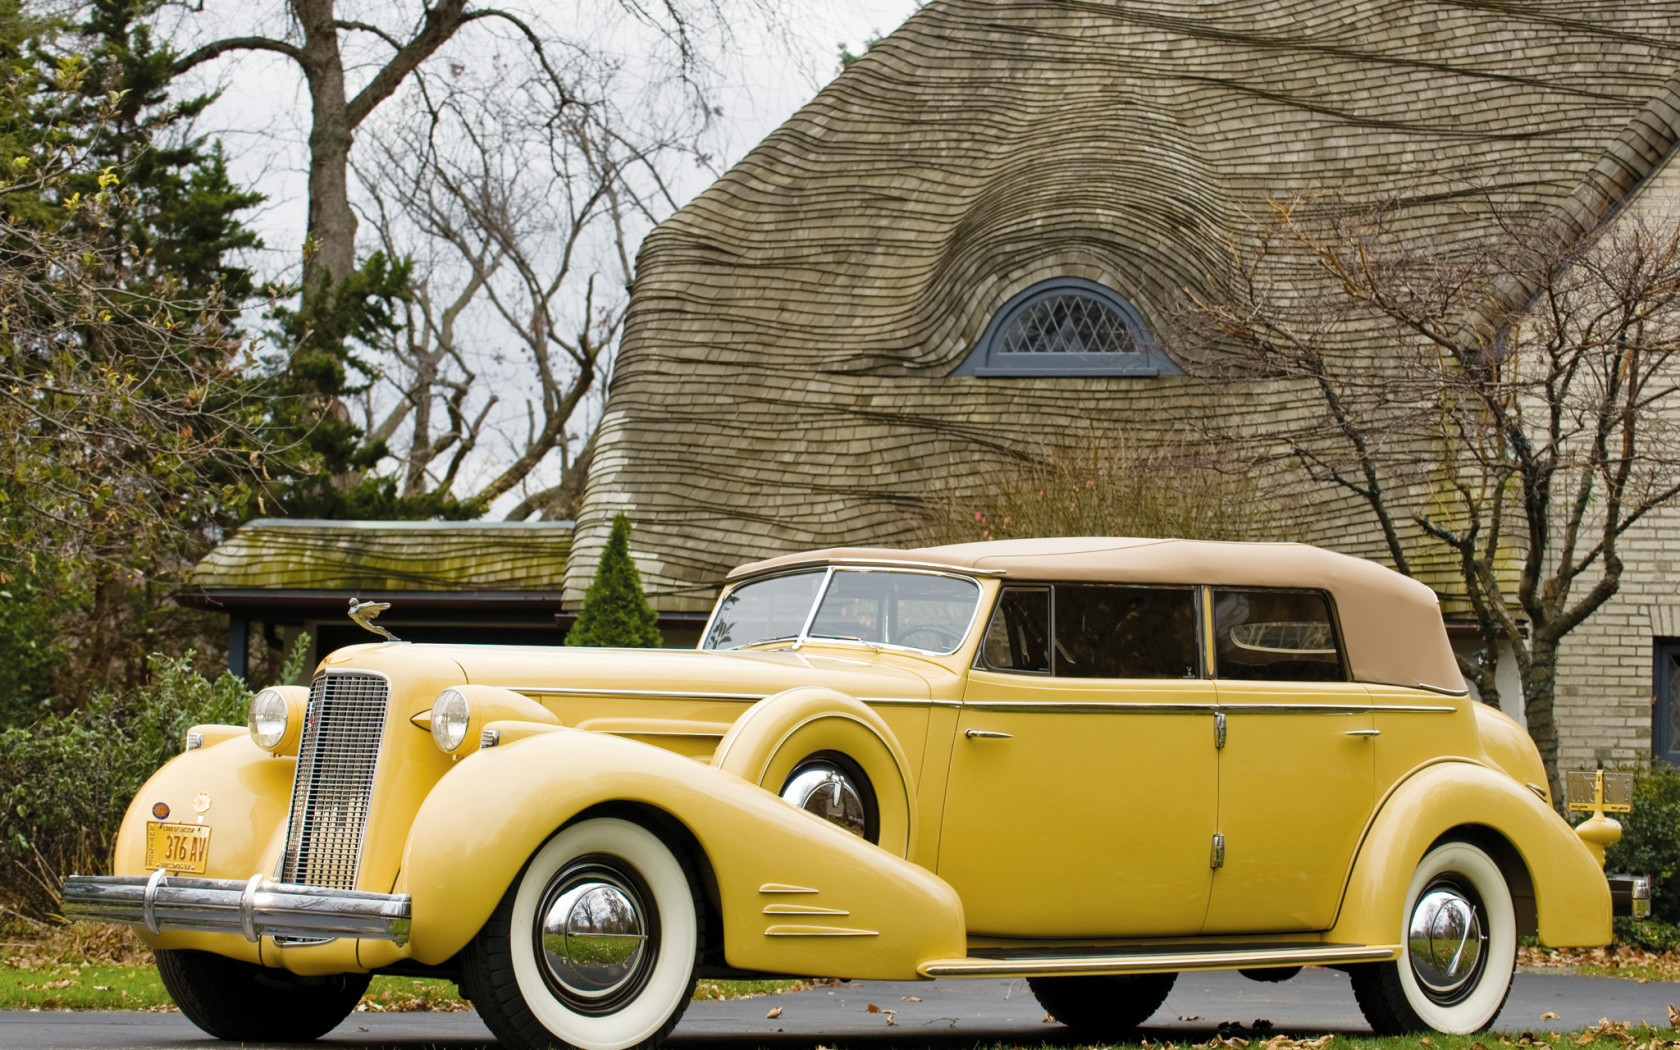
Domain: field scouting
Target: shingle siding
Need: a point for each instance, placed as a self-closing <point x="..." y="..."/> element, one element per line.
<point x="783" y="377"/>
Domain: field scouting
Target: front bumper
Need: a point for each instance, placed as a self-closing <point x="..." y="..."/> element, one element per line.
<point x="255" y="908"/>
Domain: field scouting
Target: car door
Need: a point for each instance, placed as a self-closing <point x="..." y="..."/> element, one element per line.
<point x="1083" y="780"/>
<point x="1296" y="765"/>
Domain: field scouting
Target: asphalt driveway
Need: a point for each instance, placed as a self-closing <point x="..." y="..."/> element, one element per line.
<point x="942" y="1014"/>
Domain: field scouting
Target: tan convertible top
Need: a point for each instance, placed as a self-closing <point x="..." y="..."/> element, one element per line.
<point x="1391" y="624"/>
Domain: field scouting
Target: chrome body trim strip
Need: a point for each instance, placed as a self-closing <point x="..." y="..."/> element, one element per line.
<point x="1097" y="707"/>
<point x="907" y="701"/>
<point x="631" y="694"/>
<point x="253" y="908"/>
<point x="1159" y="962"/>
<point x="817" y="931"/>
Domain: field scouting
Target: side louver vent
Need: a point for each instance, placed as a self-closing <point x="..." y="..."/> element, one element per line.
<point x="337" y="756"/>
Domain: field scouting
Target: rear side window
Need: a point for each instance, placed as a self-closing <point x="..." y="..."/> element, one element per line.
<point x="1125" y="632"/>
<point x="1274" y="636"/>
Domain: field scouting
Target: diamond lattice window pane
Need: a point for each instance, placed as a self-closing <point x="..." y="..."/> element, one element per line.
<point x="1068" y="324"/>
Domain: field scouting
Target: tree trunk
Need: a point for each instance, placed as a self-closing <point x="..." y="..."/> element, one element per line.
<point x="1539" y="693"/>
<point x="330" y="254"/>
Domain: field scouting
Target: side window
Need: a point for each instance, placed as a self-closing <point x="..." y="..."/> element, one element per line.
<point x="1271" y="636"/>
<point x="1018" y="638"/>
<point x="1125" y="632"/>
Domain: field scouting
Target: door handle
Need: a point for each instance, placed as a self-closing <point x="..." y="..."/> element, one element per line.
<point x="987" y="734"/>
<point x="1363" y="732"/>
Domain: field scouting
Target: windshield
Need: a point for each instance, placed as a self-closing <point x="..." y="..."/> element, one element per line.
<point x="915" y="610"/>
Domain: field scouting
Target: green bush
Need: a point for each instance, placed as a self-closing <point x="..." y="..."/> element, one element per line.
<point x="66" y="780"/>
<point x="1651" y="839"/>
<point x="615" y="612"/>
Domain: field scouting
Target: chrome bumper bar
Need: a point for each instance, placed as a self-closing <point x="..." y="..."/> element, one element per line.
<point x="1630" y="895"/>
<point x="255" y="908"/>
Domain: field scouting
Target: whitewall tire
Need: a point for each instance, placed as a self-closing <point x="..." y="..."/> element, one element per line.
<point x="593" y="947"/>
<point x="1458" y="949"/>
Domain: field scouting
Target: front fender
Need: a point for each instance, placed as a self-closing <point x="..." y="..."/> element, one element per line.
<point x="246" y="796"/>
<point x="1571" y="898"/>
<point x="798" y="895"/>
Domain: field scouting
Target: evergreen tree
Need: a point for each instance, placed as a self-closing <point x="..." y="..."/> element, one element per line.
<point x="615" y="612"/>
<point x="132" y="419"/>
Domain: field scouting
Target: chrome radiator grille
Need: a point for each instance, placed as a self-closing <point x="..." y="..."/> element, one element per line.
<point x="337" y="756"/>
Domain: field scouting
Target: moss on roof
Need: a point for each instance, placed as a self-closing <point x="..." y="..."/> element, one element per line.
<point x="285" y="554"/>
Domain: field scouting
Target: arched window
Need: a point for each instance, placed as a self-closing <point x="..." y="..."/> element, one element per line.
<point x="1066" y="327"/>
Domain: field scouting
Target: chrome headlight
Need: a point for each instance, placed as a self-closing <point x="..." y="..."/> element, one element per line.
<point x="450" y="715"/>
<point x="269" y="719"/>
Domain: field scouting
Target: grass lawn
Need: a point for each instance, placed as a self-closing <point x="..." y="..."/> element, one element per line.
<point x="87" y="967"/>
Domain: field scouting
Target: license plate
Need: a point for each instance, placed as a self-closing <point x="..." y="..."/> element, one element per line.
<point x="177" y="847"/>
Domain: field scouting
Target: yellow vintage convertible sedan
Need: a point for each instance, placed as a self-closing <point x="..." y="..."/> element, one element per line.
<point x="1091" y="763"/>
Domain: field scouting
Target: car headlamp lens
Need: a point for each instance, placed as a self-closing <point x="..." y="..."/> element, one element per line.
<point x="450" y="715"/>
<point x="268" y="719"/>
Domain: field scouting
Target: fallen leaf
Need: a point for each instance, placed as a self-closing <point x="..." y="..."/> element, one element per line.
<point x="891" y="1020"/>
<point x="909" y="998"/>
<point x="777" y="1012"/>
<point x="1426" y="1041"/>
<point x="1548" y="1016"/>
<point x="1048" y="1019"/>
<point x="1190" y="1017"/>
<point x="1673" y="1016"/>
<point x="872" y="1009"/>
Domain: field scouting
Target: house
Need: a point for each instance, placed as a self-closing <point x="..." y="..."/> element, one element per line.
<point x="969" y="243"/>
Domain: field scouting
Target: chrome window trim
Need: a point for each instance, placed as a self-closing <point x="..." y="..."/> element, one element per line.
<point x="833" y="567"/>
<point x="787" y="568"/>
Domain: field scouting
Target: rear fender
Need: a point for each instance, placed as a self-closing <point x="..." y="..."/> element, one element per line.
<point x="1571" y="899"/>
<point x="797" y="894"/>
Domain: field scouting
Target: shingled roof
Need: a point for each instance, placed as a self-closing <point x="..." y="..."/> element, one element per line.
<point x="784" y="381"/>
<point x="296" y="555"/>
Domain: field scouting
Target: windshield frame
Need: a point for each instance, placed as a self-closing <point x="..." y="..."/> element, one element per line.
<point x="805" y="637"/>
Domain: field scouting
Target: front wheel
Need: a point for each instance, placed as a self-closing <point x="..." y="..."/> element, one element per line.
<point x="1458" y="949"/>
<point x="594" y="946"/>
<point x="242" y="1002"/>
<point x="1102" y="1007"/>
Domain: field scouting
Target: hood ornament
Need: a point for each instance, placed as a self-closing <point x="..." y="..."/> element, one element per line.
<point x="363" y="613"/>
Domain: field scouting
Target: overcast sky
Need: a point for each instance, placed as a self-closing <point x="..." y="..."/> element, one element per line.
<point x="765" y="77"/>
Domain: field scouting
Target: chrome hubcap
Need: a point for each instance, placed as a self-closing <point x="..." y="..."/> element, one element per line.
<point x="830" y="794"/>
<point x="1446" y="942"/>
<point x="593" y="934"/>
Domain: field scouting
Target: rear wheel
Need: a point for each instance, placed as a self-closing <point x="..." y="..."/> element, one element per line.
<point x="593" y="947"/>
<point x="1458" y="949"/>
<point x="1102" y="1007"/>
<point x="241" y="1002"/>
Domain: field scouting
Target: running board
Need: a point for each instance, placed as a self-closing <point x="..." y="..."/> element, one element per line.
<point x="1147" y="961"/>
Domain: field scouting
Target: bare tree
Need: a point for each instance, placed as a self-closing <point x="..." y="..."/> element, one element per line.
<point x="521" y="216"/>
<point x="1509" y="399"/>
<point x="316" y="38"/>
